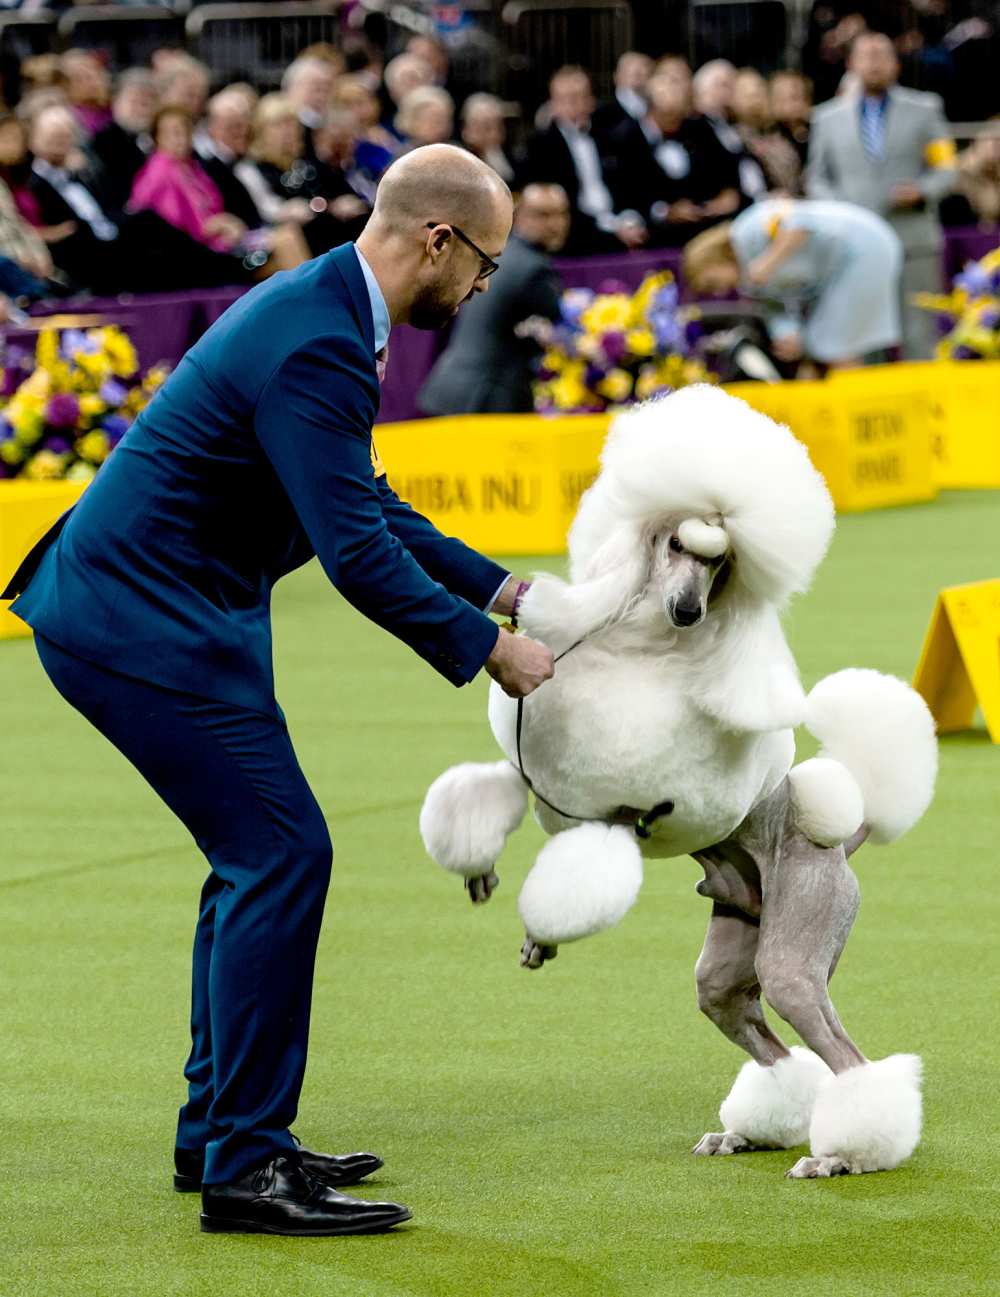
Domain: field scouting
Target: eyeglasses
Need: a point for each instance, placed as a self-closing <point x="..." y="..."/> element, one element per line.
<point x="488" y="266"/>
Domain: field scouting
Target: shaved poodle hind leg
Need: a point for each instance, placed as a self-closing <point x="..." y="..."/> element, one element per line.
<point x="729" y="994"/>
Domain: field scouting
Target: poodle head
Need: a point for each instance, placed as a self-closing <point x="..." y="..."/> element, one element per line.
<point x="697" y="494"/>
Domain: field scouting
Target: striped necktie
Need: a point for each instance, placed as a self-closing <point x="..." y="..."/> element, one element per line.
<point x="873" y="128"/>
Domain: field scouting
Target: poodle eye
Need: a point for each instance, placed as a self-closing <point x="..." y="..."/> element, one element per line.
<point x="676" y="546"/>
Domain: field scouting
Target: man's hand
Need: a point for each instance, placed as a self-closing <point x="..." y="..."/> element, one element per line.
<point x="906" y="195"/>
<point x="518" y="664"/>
<point x="788" y="348"/>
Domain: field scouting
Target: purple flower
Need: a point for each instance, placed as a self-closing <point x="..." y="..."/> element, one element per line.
<point x="58" y="445"/>
<point x="6" y="431"/>
<point x="990" y="319"/>
<point x="13" y="377"/>
<point x="670" y="336"/>
<point x="116" y="427"/>
<point x="593" y="375"/>
<point x="965" y="353"/>
<point x="613" y="344"/>
<point x="667" y="297"/>
<point x="112" y="392"/>
<point x="974" y="279"/>
<point x="574" y="302"/>
<point x="62" y="411"/>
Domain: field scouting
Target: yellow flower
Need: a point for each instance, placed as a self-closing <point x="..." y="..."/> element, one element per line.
<point x="609" y="311"/>
<point x="644" y="294"/>
<point x="641" y="342"/>
<point x="94" y="446"/>
<point x="47" y="349"/>
<point x="647" y="382"/>
<point x="569" y="391"/>
<point x="28" y="423"/>
<point x="96" y="365"/>
<point x="91" y="405"/>
<point x="43" y="466"/>
<point x="36" y="388"/>
<point x="118" y="350"/>
<point x="616" y="385"/>
<point x="554" y="360"/>
<point x="81" y="472"/>
<point x="155" y="378"/>
<point x="11" y="452"/>
<point x="588" y="346"/>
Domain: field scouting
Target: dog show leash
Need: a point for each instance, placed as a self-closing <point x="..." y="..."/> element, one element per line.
<point x="644" y="820"/>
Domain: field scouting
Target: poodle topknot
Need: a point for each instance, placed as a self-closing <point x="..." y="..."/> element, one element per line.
<point x="702" y="454"/>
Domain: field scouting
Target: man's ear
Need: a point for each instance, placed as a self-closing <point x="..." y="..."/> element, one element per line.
<point x="437" y="238"/>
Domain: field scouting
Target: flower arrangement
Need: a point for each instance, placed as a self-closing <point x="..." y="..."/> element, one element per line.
<point x="611" y="349"/>
<point x="64" y="411"/>
<point x="973" y="305"/>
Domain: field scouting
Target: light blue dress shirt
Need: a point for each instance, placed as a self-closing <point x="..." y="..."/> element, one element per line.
<point x="380" y="312"/>
<point x="381" y="326"/>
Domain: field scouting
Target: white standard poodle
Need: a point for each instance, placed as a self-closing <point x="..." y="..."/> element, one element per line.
<point x="667" y="730"/>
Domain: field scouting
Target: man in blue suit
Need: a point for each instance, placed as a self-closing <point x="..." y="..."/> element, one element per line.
<point x="150" y="602"/>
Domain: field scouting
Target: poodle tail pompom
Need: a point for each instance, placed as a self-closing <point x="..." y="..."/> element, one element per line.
<point x="584" y="881"/>
<point x="468" y="814"/>
<point x="883" y="733"/>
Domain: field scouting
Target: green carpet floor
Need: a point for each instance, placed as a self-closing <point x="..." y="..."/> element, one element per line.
<point x="538" y="1124"/>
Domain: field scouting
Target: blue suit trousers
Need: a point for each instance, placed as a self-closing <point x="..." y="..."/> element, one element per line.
<point x="231" y="776"/>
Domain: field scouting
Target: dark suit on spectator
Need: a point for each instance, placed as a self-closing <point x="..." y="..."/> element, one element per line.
<point x="549" y="160"/>
<point x="486" y="368"/>
<point x="649" y="172"/>
<point x="121" y="154"/>
<point x="235" y="194"/>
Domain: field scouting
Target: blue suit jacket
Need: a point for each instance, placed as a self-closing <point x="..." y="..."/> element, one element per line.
<point x="254" y="456"/>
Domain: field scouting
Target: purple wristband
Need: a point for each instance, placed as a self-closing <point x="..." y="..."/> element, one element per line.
<point x="519" y="593"/>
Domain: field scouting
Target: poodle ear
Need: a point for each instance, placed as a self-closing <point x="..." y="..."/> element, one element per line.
<point x="557" y="611"/>
<point x="748" y="680"/>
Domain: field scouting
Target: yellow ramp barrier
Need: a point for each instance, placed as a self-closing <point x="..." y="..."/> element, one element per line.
<point x="959" y="665"/>
<point x="27" y="510"/>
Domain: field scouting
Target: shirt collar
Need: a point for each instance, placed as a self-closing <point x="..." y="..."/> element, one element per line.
<point x="380" y="312"/>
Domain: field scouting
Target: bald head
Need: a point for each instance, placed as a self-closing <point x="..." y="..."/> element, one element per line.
<point x="442" y="183"/>
<point x="441" y="220"/>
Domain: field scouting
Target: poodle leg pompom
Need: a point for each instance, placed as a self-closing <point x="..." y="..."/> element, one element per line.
<point x="584" y="881"/>
<point x="865" y="1119"/>
<point x="468" y="814"/>
<point x="769" y="1107"/>
<point x="826" y="801"/>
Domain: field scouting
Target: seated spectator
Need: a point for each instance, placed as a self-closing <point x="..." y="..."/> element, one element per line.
<point x="284" y="184"/>
<point x="434" y="54"/>
<point x="308" y="85"/>
<point x="402" y="74"/>
<point x="174" y="185"/>
<point x="28" y="262"/>
<point x="487" y="366"/>
<point x="628" y="102"/>
<point x="426" y="116"/>
<point x="88" y="89"/>
<point x="123" y="146"/>
<point x="791" y="111"/>
<point x="713" y="87"/>
<point x="751" y="110"/>
<point x="350" y="194"/>
<point x="15" y="167"/>
<point x="484" y="133"/>
<point x="979" y="177"/>
<point x="565" y="153"/>
<point x="221" y="143"/>
<point x="102" y="249"/>
<point x="671" y="168"/>
<point x="374" y="147"/>
<point x="184" y="83"/>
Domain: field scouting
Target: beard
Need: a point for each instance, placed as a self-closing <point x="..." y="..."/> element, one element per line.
<point x="435" y="307"/>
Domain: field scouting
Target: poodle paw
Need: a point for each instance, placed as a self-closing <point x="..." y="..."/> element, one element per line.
<point x="481" y="889"/>
<point x="719" y="1145"/>
<point x="534" y="956"/>
<point x="817" y="1168"/>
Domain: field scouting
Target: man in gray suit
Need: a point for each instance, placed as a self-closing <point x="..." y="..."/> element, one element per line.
<point x="890" y="150"/>
<point x="487" y="366"/>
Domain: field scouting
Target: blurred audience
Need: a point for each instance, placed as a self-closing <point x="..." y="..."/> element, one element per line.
<point x="484" y="133"/>
<point x="124" y="144"/>
<point x="403" y="74"/>
<point x="628" y="103"/>
<point x="426" y="116"/>
<point x="221" y="143"/>
<point x="567" y="153"/>
<point x="183" y="82"/>
<point x="487" y="366"/>
<point x="88" y="89"/>
<point x="308" y="86"/>
<point x="979" y="177"/>
<point x="713" y="91"/>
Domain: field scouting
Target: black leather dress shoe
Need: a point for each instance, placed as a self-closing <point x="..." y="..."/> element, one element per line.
<point x="335" y="1169"/>
<point x="284" y="1198"/>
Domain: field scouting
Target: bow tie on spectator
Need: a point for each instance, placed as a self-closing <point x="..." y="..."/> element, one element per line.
<point x="381" y="360"/>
